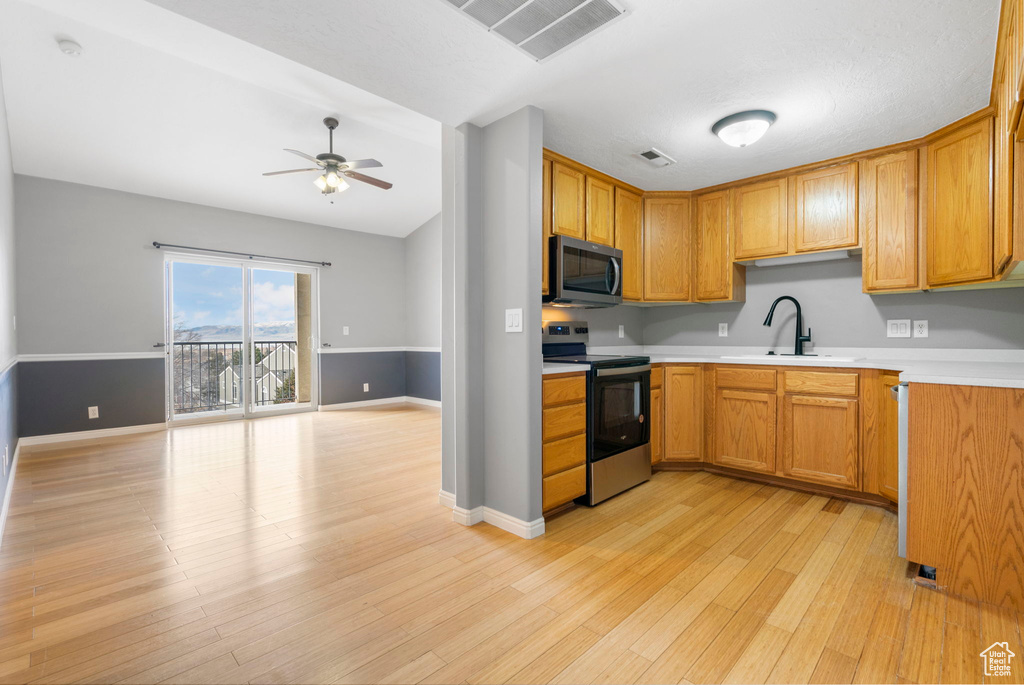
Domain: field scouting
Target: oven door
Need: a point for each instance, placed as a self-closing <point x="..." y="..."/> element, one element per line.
<point x="585" y="274"/>
<point x="620" y="405"/>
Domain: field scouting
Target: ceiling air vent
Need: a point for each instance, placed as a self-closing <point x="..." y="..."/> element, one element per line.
<point x="541" y="28"/>
<point x="656" y="157"/>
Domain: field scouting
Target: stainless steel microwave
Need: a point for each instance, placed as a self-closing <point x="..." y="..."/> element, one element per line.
<point x="584" y="274"/>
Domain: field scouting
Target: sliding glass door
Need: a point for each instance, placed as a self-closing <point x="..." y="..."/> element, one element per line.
<point x="240" y="338"/>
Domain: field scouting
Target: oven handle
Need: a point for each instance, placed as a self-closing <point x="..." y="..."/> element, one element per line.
<point x="623" y="370"/>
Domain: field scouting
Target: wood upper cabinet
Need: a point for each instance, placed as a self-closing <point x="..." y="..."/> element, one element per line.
<point x="546" y="222"/>
<point x="959" y="206"/>
<point x="684" y="413"/>
<point x="888" y="220"/>
<point x="760" y="219"/>
<point x="889" y="455"/>
<point x="568" y="201"/>
<point x="600" y="211"/>
<point x="657" y="422"/>
<point x="718" y="278"/>
<point x="826" y="208"/>
<point x="629" y="239"/>
<point x="744" y="429"/>
<point x="821" y="440"/>
<point x="667" y="249"/>
<point x="1004" y="155"/>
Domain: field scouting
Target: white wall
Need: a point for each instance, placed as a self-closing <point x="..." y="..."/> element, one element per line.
<point x="8" y="345"/>
<point x="90" y="281"/>
<point x="423" y="285"/>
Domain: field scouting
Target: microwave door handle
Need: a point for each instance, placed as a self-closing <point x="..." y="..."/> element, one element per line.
<point x="618" y="275"/>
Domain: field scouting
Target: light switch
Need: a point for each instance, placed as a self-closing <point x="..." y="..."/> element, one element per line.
<point x="513" y="320"/>
<point x="898" y="328"/>
<point x="723" y="330"/>
<point x="344" y="330"/>
<point x="622" y="331"/>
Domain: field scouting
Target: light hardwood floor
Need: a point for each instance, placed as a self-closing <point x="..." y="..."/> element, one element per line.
<point x="312" y="548"/>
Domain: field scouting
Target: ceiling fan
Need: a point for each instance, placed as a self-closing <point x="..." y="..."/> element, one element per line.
<point x="334" y="167"/>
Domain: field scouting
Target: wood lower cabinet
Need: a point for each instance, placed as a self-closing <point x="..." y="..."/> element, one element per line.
<point x="657" y="421"/>
<point x="889" y="452"/>
<point x="826" y="209"/>
<point x="564" y="429"/>
<point x="629" y="229"/>
<point x="718" y="278"/>
<point x="821" y="440"/>
<point x="684" y="413"/>
<point x="668" y="255"/>
<point x="744" y="436"/>
<point x="568" y="201"/>
<point x="600" y="211"/>
<point x="959" y="239"/>
<point x="760" y="219"/>
<point x="888" y="221"/>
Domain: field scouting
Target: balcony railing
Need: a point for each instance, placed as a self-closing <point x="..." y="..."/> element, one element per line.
<point x="208" y="375"/>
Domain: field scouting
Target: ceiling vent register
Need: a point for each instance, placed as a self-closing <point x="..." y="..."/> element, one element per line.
<point x="541" y="28"/>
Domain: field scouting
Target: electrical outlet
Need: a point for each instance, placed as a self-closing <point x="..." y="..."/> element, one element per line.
<point x="921" y="329"/>
<point x="366" y="387"/>
<point x="898" y="328"/>
<point x="723" y="330"/>
<point x="622" y="331"/>
<point x="344" y="330"/>
<point x="94" y="412"/>
<point x="513" y="320"/>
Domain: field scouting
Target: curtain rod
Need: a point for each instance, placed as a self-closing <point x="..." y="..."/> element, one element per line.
<point x="240" y="254"/>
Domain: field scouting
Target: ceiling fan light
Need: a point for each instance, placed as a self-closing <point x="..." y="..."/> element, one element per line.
<point x="321" y="182"/>
<point x="342" y="185"/>
<point x="743" y="128"/>
<point x="333" y="179"/>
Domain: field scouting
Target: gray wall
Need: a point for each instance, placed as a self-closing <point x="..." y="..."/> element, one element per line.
<point x="90" y="281"/>
<point x="54" y="396"/>
<point x="423" y="285"/>
<point x="841" y="315"/>
<point x="423" y="375"/>
<point x="8" y="345"/>
<point x="604" y="323"/>
<point x="342" y="376"/>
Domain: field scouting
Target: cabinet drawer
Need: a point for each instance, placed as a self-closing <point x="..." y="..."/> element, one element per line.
<point x="564" y="487"/>
<point x="657" y="376"/>
<point x="561" y="422"/>
<point x="821" y="383"/>
<point x="565" y="454"/>
<point x="745" y="379"/>
<point x="565" y="390"/>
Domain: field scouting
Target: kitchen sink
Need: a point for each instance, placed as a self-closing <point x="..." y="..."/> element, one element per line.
<point x="790" y="359"/>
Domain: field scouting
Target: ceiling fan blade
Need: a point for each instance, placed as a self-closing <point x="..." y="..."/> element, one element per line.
<point x="367" y="179"/>
<point x="290" y="171"/>
<point x="361" y="164"/>
<point x="311" y="158"/>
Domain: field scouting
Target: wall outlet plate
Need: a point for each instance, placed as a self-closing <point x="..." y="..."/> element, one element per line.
<point x="921" y="329"/>
<point x="897" y="328"/>
<point x="366" y="387"/>
<point x="94" y="412"/>
<point x="344" y="330"/>
<point x="622" y="331"/>
<point x="513" y="320"/>
<point x="723" y="330"/>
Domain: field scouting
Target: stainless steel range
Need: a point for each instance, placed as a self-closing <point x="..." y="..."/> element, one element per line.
<point x="618" y="405"/>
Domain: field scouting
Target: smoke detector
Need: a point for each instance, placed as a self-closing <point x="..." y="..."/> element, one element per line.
<point x="656" y="157"/>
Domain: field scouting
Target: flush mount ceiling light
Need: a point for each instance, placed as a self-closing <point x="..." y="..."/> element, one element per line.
<point x="743" y="128"/>
<point x="69" y="47"/>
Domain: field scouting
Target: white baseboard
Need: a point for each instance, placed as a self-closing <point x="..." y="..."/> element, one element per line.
<point x="524" y="529"/>
<point x="8" y="493"/>
<point x="446" y="499"/>
<point x="402" y="399"/>
<point x="90" y="435"/>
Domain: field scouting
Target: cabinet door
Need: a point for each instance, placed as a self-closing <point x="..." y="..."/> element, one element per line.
<point x="657" y="426"/>
<point x="760" y="216"/>
<point x="600" y="212"/>
<point x="629" y="239"/>
<point x="667" y="253"/>
<point x="684" y="413"/>
<point x="716" y="273"/>
<point x="959" y="206"/>
<point x="888" y="219"/>
<point x="546" y="221"/>
<point x="568" y="201"/>
<point x="826" y="209"/>
<point x="820" y="440"/>
<point x="1006" y="100"/>
<point x="745" y="430"/>
<point x="889" y="462"/>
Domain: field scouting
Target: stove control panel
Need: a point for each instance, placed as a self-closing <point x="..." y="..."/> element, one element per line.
<point x="565" y="331"/>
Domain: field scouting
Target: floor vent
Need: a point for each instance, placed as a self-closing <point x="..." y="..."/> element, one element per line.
<point x="541" y="28"/>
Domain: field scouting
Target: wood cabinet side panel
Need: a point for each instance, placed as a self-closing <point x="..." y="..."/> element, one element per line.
<point x="629" y="239"/>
